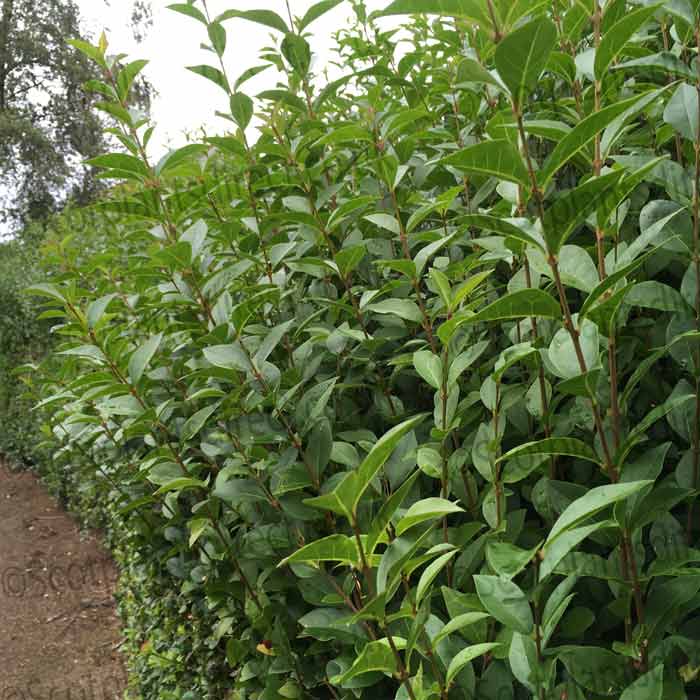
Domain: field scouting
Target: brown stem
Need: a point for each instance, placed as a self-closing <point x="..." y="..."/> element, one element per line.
<point x="540" y="370"/>
<point x="497" y="36"/>
<point x="568" y="320"/>
<point x="234" y="561"/>
<point x="403" y="672"/>
<point x="538" y="628"/>
<point x="366" y="570"/>
<point x="497" y="476"/>
<point x="696" y="260"/>
<point x="427" y="323"/>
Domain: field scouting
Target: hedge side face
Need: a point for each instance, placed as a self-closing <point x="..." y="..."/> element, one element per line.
<point x="400" y="398"/>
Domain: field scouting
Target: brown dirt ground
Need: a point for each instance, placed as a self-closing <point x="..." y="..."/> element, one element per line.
<point x="59" y="633"/>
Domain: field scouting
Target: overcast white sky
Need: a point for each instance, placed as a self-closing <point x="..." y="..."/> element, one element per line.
<point x="185" y="100"/>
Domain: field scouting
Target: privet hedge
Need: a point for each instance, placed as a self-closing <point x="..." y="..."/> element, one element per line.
<point x="23" y="338"/>
<point x="400" y="399"/>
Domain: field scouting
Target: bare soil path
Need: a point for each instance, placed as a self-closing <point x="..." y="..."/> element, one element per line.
<point x="59" y="631"/>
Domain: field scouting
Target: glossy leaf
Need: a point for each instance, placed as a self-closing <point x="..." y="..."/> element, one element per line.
<point x="582" y="134"/>
<point x="523" y="54"/>
<point x="142" y="357"/>
<point x="505" y="601"/>
<point x="267" y="18"/>
<point x="338" y="548"/>
<point x="317" y="10"/>
<point x="466" y="656"/>
<point x="618" y="35"/>
<point x="497" y="158"/>
<point x="430" y="574"/>
<point x="593" y="502"/>
<point x="424" y="510"/>
<point x="429" y="366"/>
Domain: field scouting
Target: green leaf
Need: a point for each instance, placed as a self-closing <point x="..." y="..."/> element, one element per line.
<point x="318" y="453"/>
<point x="94" y="53"/>
<point x="593" y="502"/>
<point x="43" y="289"/>
<point x="340" y="548"/>
<point x="347" y="259"/>
<point x="650" y="686"/>
<point x="380" y="452"/>
<point x="284" y="97"/>
<point x="618" y="35"/>
<point x="506" y="602"/>
<point x="125" y="164"/>
<point x="180" y="155"/>
<point x="403" y="308"/>
<point x="316" y="11"/>
<point x="425" y="253"/>
<point x="347" y="134"/>
<point x="127" y="75"/>
<point x="511" y="356"/>
<point x="471" y="71"/>
<point x="87" y="352"/>
<point x="665" y="62"/>
<point x="347" y="494"/>
<point x="430" y="574"/>
<point x="267" y="18"/>
<point x="189" y="10"/>
<point x="581" y="135"/>
<point x="504" y="227"/>
<point x="461" y="659"/>
<point x="385" y="221"/>
<point x="142" y="357"/>
<point x="596" y="669"/>
<point x="459" y="623"/>
<point x="499" y="158"/>
<point x="383" y="518"/>
<point x="521" y="304"/>
<point x="271" y="341"/>
<point x="464" y="360"/>
<point x="681" y="112"/>
<point x="523" y="54"/>
<point x="426" y="509"/>
<point x="213" y="74"/>
<point x="655" y="295"/>
<point x="555" y="551"/>
<point x="637" y="433"/>
<point x="97" y="309"/>
<point x="228" y="357"/>
<point x="217" y="36"/>
<point x="564" y="357"/>
<point x="554" y="446"/>
<point x="507" y="560"/>
<point x="611" y="280"/>
<point x="429" y="366"/>
<point x="196" y="422"/>
<point x="297" y="52"/>
<point x="572" y="208"/>
<point x="181" y="485"/>
<point x="467" y="287"/>
<point x="524" y="662"/>
<point x="242" y="109"/>
<point x="237" y="492"/>
<point x="469" y="9"/>
<point x="376" y="656"/>
<point x="246" y="75"/>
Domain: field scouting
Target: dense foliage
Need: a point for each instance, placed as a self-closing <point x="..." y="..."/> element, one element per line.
<point x="401" y="399"/>
<point x="23" y="338"/>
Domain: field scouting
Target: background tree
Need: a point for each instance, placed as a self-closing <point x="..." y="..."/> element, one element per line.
<point x="47" y="124"/>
